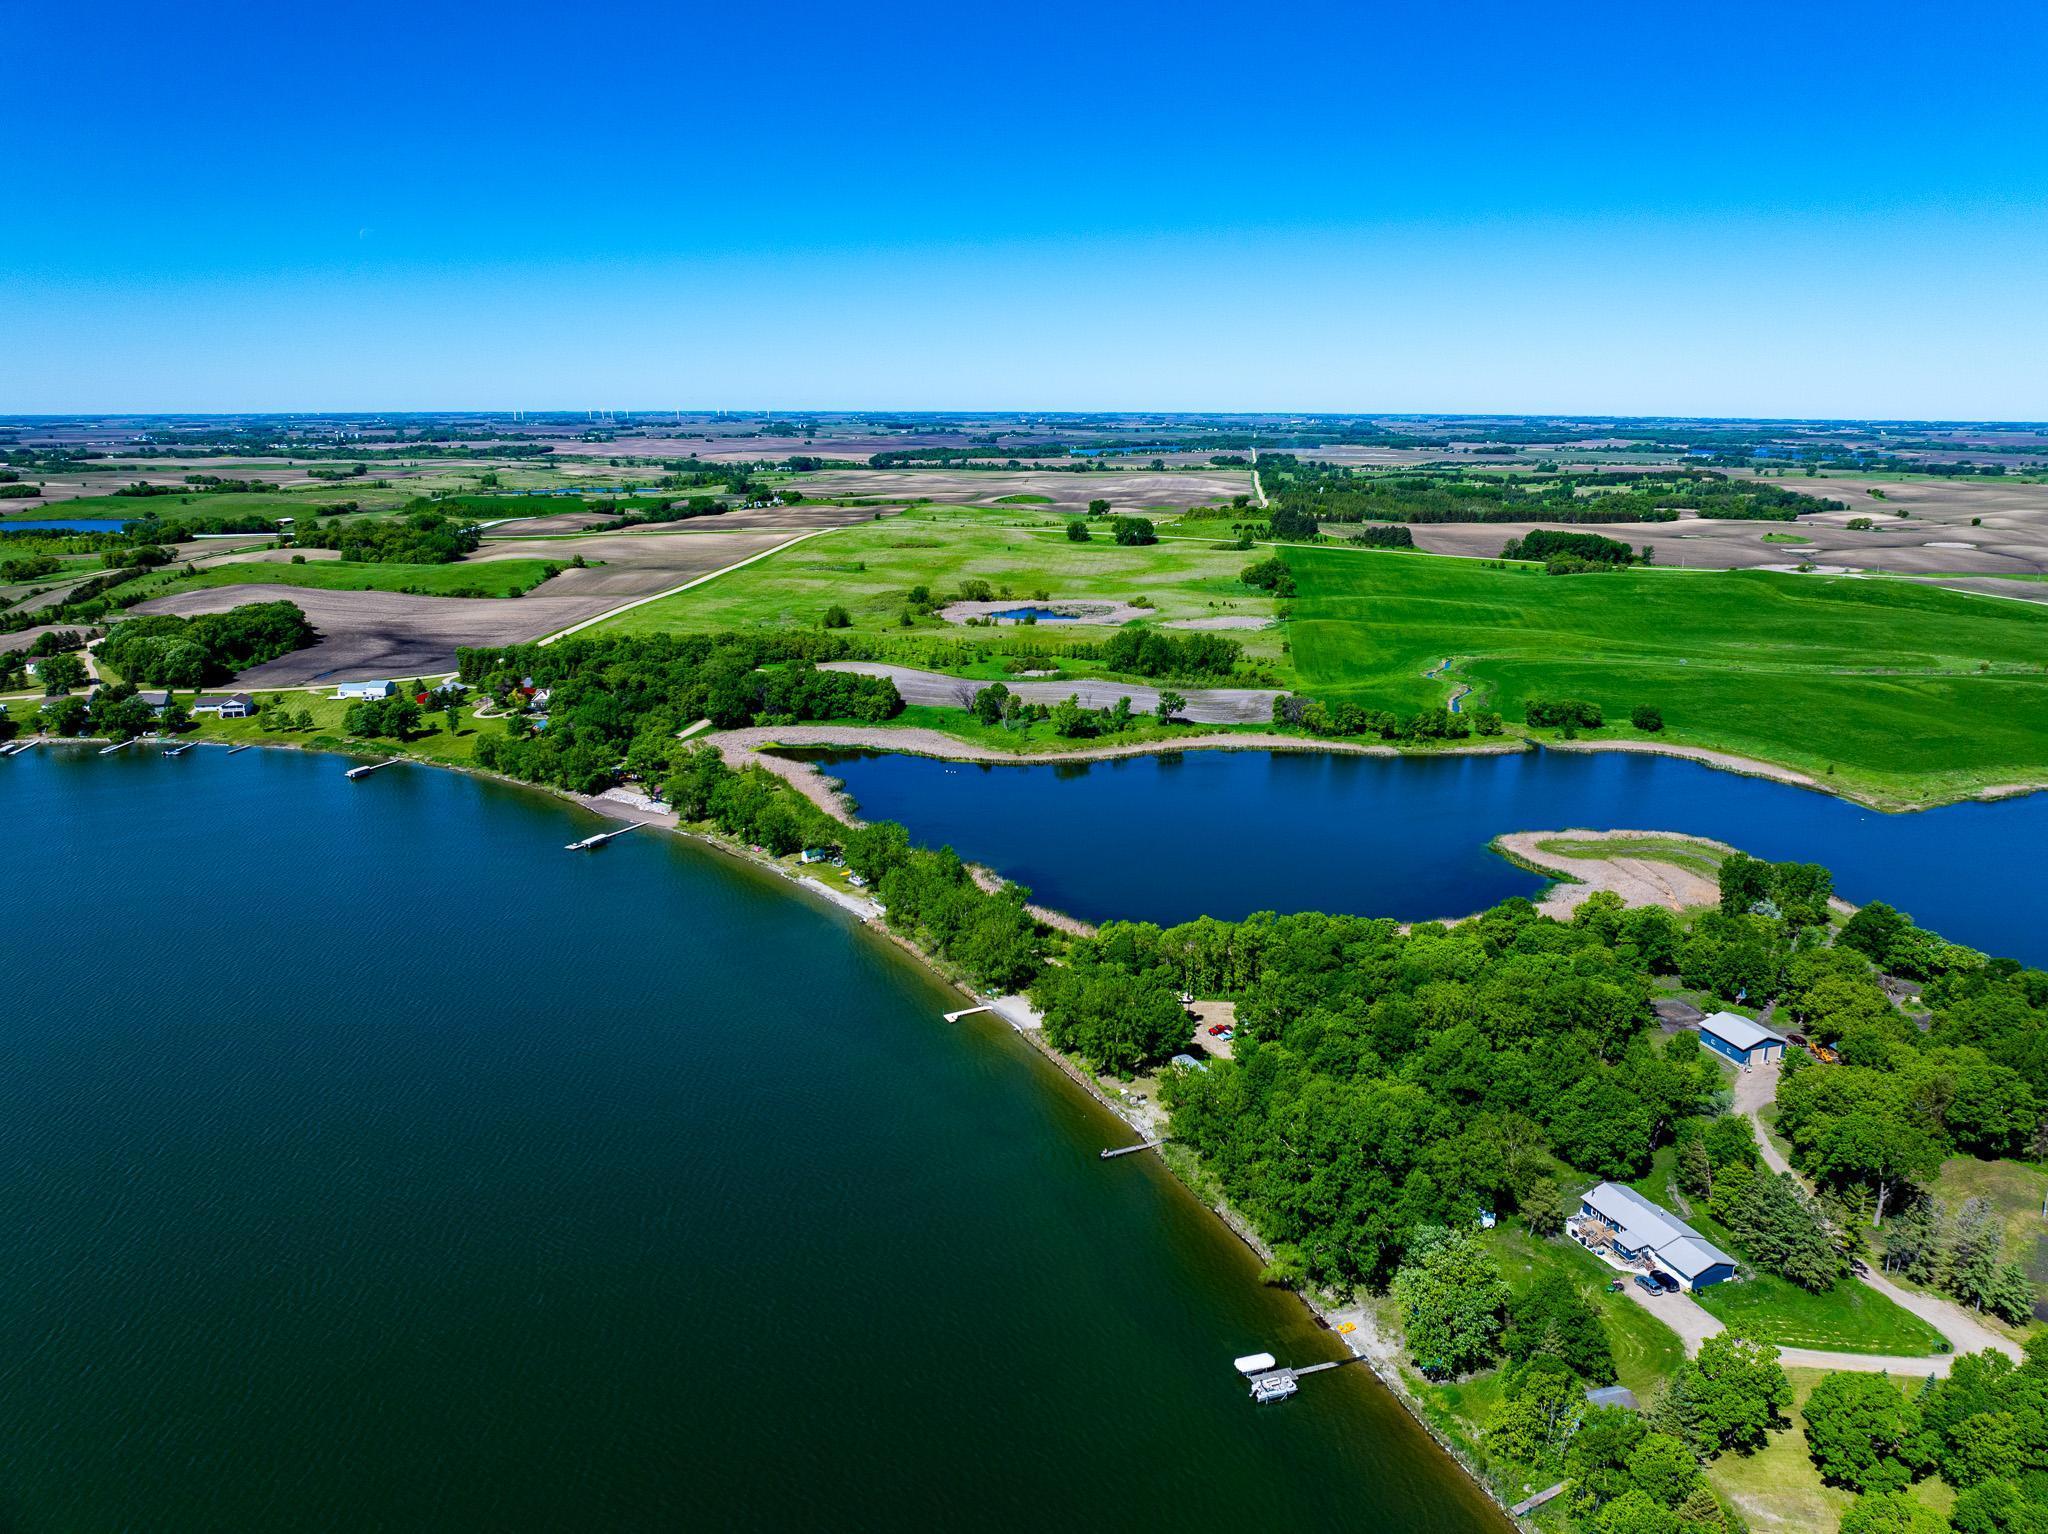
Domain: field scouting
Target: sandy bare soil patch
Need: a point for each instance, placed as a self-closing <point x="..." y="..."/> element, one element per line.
<point x="200" y="554"/>
<point x="366" y="634"/>
<point x="1128" y="490"/>
<point x="21" y="639"/>
<point x="626" y="565"/>
<point x="1639" y="881"/>
<point x="1245" y="622"/>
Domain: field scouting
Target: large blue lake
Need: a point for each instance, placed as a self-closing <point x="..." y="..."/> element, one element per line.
<point x="1224" y="833"/>
<point x="369" y="1162"/>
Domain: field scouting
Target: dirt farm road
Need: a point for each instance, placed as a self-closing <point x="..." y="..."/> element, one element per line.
<point x="1205" y="705"/>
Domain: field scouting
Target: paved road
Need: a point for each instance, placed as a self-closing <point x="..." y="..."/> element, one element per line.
<point x="1205" y="705"/>
<point x="1755" y="1090"/>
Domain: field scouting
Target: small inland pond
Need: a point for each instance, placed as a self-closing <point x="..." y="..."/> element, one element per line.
<point x="368" y="1161"/>
<point x="1224" y="833"/>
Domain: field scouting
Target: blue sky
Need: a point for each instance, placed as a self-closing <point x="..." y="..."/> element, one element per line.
<point x="1812" y="210"/>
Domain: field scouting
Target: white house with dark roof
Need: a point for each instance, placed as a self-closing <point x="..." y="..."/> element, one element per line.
<point x="1741" y="1039"/>
<point x="1642" y="1234"/>
<point x="232" y="705"/>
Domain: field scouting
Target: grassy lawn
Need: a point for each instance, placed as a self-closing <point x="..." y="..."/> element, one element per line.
<point x="870" y="567"/>
<point x="1778" y="1489"/>
<point x="1849" y="1318"/>
<point x="1843" y="678"/>
<point x="486" y="578"/>
<point x="1645" y="1349"/>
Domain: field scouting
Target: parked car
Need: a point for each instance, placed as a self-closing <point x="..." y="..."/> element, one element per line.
<point x="1648" y="1284"/>
<point x="1217" y="1030"/>
<point x="1667" y="1283"/>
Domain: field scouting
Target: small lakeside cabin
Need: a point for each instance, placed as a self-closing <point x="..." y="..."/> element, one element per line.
<point x="1741" y="1039"/>
<point x="363" y="690"/>
<point x="1643" y="1235"/>
<point x="157" y="703"/>
<point x="233" y="705"/>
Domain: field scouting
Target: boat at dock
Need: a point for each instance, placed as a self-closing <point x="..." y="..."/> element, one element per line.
<point x="598" y="840"/>
<point x="1272" y="1381"/>
<point x="1277" y="1386"/>
<point x="179" y="750"/>
<point x="367" y="768"/>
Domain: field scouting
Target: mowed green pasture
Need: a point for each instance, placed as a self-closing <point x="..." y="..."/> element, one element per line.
<point x="488" y="577"/>
<point x="1901" y="693"/>
<point x="870" y="568"/>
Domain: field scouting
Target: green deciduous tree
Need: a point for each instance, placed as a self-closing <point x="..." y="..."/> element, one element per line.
<point x="1863" y="1433"/>
<point x="1453" y="1301"/>
<point x="1892" y="1513"/>
<point x="1729" y="1397"/>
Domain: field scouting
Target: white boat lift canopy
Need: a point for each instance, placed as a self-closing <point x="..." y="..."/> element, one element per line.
<point x="1256" y="1363"/>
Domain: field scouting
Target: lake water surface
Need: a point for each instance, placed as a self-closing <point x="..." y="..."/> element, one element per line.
<point x="1225" y="833"/>
<point x="367" y="1161"/>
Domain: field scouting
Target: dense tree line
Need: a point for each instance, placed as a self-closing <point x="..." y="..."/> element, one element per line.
<point x="1341" y="719"/>
<point x="1563" y="713"/>
<point x="170" y="651"/>
<point x="417" y="538"/>
<point x="1138" y="649"/>
<point x="1330" y="493"/>
<point x="1545" y="545"/>
<point x="1982" y="1428"/>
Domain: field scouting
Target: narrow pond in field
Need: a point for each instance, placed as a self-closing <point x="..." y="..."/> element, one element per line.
<point x="369" y="1162"/>
<point x="1224" y="833"/>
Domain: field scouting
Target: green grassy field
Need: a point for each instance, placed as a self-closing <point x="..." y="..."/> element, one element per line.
<point x="489" y="577"/>
<point x="869" y="569"/>
<point x="1901" y="693"/>
<point x="1682" y="852"/>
